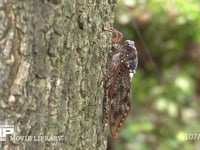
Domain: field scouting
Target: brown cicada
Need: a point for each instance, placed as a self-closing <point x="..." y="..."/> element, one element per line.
<point x="117" y="85"/>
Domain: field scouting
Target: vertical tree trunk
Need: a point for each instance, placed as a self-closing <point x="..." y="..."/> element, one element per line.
<point x="51" y="53"/>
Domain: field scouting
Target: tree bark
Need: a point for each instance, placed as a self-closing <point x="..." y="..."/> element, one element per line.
<point x="51" y="53"/>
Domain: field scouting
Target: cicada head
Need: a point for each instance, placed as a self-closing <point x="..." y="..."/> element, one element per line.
<point x="130" y="44"/>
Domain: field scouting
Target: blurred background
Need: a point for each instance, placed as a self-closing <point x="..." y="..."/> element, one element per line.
<point x="166" y="87"/>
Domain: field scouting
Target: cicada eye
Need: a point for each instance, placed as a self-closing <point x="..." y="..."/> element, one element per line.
<point x="129" y="43"/>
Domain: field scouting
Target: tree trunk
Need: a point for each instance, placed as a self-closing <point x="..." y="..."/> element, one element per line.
<point x="51" y="53"/>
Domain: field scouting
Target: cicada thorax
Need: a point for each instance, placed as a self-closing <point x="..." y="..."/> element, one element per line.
<point x="126" y="52"/>
<point x="131" y="55"/>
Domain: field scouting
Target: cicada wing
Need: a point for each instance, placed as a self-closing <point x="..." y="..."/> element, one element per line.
<point x="119" y="100"/>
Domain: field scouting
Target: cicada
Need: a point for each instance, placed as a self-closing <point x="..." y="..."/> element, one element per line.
<point x="117" y="84"/>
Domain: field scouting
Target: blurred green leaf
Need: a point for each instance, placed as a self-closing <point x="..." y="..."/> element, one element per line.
<point x="165" y="103"/>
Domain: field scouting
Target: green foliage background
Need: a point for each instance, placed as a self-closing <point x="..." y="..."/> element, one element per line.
<point x="165" y="89"/>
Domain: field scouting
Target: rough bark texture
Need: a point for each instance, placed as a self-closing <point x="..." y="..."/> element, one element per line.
<point x="51" y="53"/>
